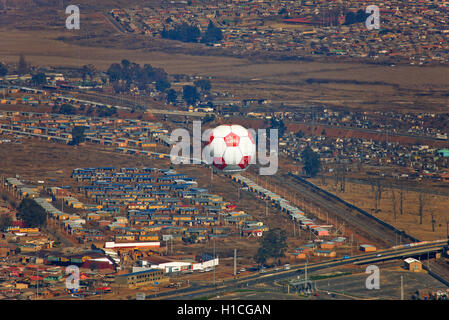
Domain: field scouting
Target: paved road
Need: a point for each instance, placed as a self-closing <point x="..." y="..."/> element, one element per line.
<point x="196" y="291"/>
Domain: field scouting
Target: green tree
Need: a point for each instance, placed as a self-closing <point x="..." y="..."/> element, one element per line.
<point x="67" y="109"/>
<point x="203" y="84"/>
<point x="39" y="79"/>
<point x="278" y="124"/>
<point x="93" y="266"/>
<point x="171" y="96"/>
<point x="182" y="32"/>
<point x="350" y="18"/>
<point x="5" y="221"/>
<point x="190" y="94"/>
<point x="162" y="85"/>
<point x="361" y="16"/>
<point x="77" y="135"/>
<point x="300" y="134"/>
<point x="3" y="70"/>
<point x="311" y="161"/>
<point x="212" y="34"/>
<point x="88" y="70"/>
<point x="208" y="118"/>
<point x="114" y="72"/>
<point x="105" y="111"/>
<point x="32" y="213"/>
<point x="272" y="245"/>
<point x="22" y="67"/>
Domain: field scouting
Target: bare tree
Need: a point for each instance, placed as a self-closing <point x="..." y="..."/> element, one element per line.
<point x="393" y="200"/>
<point x="377" y="193"/>
<point x="343" y="179"/>
<point x="422" y="198"/>
<point x="22" y="67"/>
<point x="401" y="198"/>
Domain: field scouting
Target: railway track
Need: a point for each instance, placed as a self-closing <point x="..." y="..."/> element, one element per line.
<point x="364" y="224"/>
<point x="439" y="270"/>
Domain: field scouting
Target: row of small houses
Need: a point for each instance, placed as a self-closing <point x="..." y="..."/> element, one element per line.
<point x="53" y="121"/>
<point x="276" y="200"/>
<point x="154" y="200"/>
<point x="58" y="97"/>
<point x="22" y="190"/>
<point x="63" y="134"/>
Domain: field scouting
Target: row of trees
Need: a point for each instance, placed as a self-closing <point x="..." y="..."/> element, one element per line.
<point x="123" y="74"/>
<point x="359" y="16"/>
<point x="311" y="161"/>
<point x="272" y="246"/>
<point x="32" y="213"/>
<point x="101" y="111"/>
<point x="77" y="135"/>
<point x="22" y="67"/>
<point x="190" y="33"/>
<point x="29" y="211"/>
<point x="3" y="69"/>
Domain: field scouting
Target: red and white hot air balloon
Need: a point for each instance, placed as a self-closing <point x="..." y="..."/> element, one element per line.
<point x="231" y="147"/>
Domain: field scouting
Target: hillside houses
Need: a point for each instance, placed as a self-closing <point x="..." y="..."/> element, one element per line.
<point x="249" y="28"/>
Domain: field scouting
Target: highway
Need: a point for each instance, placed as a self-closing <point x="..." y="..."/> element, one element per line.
<point x="418" y="249"/>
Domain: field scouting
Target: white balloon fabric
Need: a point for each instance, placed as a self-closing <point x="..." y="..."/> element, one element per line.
<point x="231" y="147"/>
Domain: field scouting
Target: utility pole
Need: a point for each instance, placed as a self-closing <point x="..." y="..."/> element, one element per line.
<point x="235" y="262"/>
<point x="433" y="222"/>
<point x="352" y="239"/>
<point x="211" y="174"/>
<point x="214" y="263"/>
<point x="402" y="288"/>
<point x="447" y="229"/>
<point x="266" y="208"/>
<point x="305" y="272"/>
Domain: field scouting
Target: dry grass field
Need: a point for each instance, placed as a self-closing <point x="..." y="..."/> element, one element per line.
<point x="362" y="196"/>
<point x="352" y="85"/>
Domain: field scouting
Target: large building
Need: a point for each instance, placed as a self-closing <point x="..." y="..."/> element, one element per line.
<point x="141" y="278"/>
